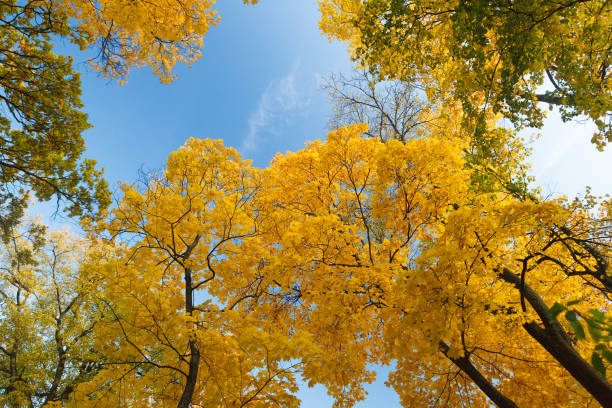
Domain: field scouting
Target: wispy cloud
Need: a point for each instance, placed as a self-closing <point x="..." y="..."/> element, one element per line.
<point x="277" y="105"/>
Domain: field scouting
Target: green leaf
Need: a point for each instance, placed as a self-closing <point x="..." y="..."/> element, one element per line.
<point x="597" y="314"/>
<point x="598" y="364"/>
<point x="607" y="354"/>
<point x="576" y="325"/>
<point x="556" y="309"/>
<point x="574" y="302"/>
<point x="594" y="331"/>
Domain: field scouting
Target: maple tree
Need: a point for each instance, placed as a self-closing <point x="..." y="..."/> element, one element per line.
<point x="488" y="54"/>
<point x="181" y="342"/>
<point x="403" y="260"/>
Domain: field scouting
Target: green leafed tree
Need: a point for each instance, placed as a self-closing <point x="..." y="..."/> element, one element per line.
<point x="41" y="118"/>
<point x="41" y="121"/>
<point x="48" y="315"/>
<point x="507" y="56"/>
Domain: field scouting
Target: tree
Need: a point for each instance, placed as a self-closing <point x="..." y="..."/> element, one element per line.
<point x="392" y="255"/>
<point x="391" y="109"/>
<point x="181" y="340"/>
<point x="42" y="122"/>
<point x="48" y="303"/>
<point x="488" y="54"/>
<point x="41" y="125"/>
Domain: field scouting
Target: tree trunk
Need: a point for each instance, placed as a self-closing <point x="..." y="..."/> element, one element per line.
<point x="192" y="376"/>
<point x="579" y="368"/>
<point x="194" y="359"/>
<point x="485" y="385"/>
<point x="557" y="342"/>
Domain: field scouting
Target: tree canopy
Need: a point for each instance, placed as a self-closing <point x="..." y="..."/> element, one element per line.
<point x="49" y="313"/>
<point x="42" y="122"/>
<point x="414" y="239"/>
<point x="348" y="253"/>
<point x="488" y="54"/>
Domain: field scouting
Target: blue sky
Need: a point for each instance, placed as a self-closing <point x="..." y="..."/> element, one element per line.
<point x="257" y="88"/>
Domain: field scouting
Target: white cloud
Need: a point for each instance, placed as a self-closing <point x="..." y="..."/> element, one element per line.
<point x="277" y="106"/>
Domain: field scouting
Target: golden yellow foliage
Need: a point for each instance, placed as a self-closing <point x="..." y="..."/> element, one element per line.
<point x="158" y="34"/>
<point x="388" y="254"/>
<point x="230" y="280"/>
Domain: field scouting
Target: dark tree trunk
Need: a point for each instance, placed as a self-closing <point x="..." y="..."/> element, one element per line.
<point x="579" y="368"/>
<point x="556" y="341"/>
<point x="194" y="359"/>
<point x="192" y="376"/>
<point x="485" y="385"/>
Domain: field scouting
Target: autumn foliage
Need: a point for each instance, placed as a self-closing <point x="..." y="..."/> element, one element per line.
<point x="488" y="54"/>
<point x="348" y="253"/>
<point x="213" y="283"/>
